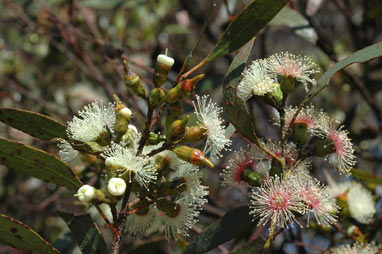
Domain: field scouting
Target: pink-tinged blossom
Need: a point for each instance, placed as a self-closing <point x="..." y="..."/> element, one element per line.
<point x="292" y="66"/>
<point x="307" y="115"/>
<point x="244" y="158"/>
<point x="344" y="158"/>
<point x="290" y="152"/>
<point x="277" y="201"/>
<point x="357" y="248"/>
<point x="208" y="114"/>
<point x="317" y="198"/>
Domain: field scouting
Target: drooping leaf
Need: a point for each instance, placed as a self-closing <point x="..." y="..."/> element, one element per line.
<point x="365" y="176"/>
<point x="20" y="236"/>
<point x="230" y="226"/>
<point x="86" y="233"/>
<point x="234" y="107"/>
<point x="37" y="163"/>
<point x="246" y="25"/>
<point x="34" y="124"/>
<point x="361" y="56"/>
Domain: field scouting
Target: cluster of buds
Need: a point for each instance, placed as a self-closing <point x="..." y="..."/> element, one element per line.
<point x="157" y="172"/>
<point x="279" y="170"/>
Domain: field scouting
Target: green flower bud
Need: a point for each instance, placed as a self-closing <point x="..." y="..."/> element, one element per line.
<point x="178" y="127"/>
<point x="162" y="68"/>
<point x="193" y="156"/>
<point x="252" y="177"/>
<point x="324" y="147"/>
<point x="157" y="97"/>
<point x="122" y="119"/>
<point x="287" y="84"/>
<point x="300" y="134"/>
<point x="133" y="81"/>
<point x="183" y="89"/>
<point x="195" y="133"/>
<point x="276" y="168"/>
<point x="276" y="94"/>
<point x="154" y="139"/>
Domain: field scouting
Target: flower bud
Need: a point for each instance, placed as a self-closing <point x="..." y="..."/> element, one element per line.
<point x="154" y="139"/>
<point x="116" y="186"/>
<point x="168" y="207"/>
<point x="323" y="148"/>
<point x="300" y="134"/>
<point x="133" y="81"/>
<point x="178" y="127"/>
<point x="192" y="155"/>
<point x="183" y="89"/>
<point x="276" y="94"/>
<point x="86" y="193"/>
<point x="276" y="168"/>
<point x="195" y="133"/>
<point x="162" y="68"/>
<point x="122" y="118"/>
<point x="157" y="97"/>
<point x="287" y="84"/>
<point x="130" y="133"/>
<point x="252" y="177"/>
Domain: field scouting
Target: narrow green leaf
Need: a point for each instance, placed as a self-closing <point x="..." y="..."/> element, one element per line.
<point x="235" y="107"/>
<point x="86" y="233"/>
<point x="37" y="163"/>
<point x="34" y="124"/>
<point x="230" y="226"/>
<point x="365" y="176"/>
<point x="249" y="22"/>
<point x="361" y="56"/>
<point x="20" y="236"/>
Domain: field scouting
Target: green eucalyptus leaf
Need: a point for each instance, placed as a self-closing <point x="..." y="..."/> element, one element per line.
<point x="37" y="163"/>
<point x="235" y="107"/>
<point x="230" y="226"/>
<point x="86" y="233"/>
<point x="35" y="124"/>
<point x="246" y="25"/>
<point x="20" y="236"/>
<point x="361" y="56"/>
<point x="365" y="176"/>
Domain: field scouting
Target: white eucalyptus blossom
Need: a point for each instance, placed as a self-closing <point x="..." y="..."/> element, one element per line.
<point x="195" y="193"/>
<point x="361" y="203"/>
<point x="67" y="153"/>
<point x="94" y="119"/>
<point x="255" y="81"/>
<point x="208" y="114"/>
<point x="181" y="223"/>
<point x="127" y="162"/>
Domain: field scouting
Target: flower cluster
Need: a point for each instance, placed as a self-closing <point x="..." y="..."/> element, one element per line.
<point x="261" y="77"/>
<point x="165" y="189"/>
